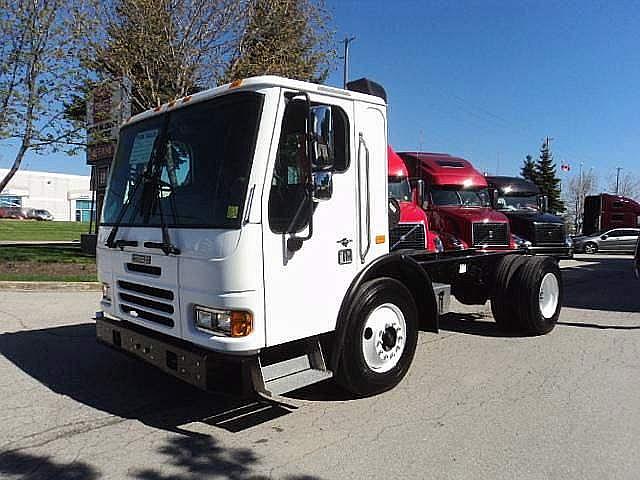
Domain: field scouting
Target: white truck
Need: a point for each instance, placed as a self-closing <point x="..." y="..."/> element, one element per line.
<point x="244" y="242"/>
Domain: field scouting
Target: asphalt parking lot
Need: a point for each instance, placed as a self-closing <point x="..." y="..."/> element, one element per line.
<point x="475" y="404"/>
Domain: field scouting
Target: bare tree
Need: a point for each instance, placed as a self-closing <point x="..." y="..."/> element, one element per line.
<point x="628" y="184"/>
<point x="39" y="70"/>
<point x="167" y="48"/>
<point x="578" y="187"/>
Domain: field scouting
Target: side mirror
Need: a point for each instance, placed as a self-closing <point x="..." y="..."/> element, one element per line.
<point x="321" y="130"/>
<point x="493" y="197"/>
<point x="543" y="201"/>
<point x="417" y="184"/>
<point x="322" y="185"/>
<point x="604" y="237"/>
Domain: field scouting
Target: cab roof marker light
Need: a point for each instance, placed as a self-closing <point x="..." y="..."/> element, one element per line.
<point x="171" y="103"/>
<point x="186" y="99"/>
<point x="235" y="83"/>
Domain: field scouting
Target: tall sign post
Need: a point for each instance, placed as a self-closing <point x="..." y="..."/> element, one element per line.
<point x="108" y="106"/>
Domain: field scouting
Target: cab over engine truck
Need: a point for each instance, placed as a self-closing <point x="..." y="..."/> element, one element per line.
<point x="526" y="208"/>
<point x="411" y="231"/>
<point x="244" y="242"/>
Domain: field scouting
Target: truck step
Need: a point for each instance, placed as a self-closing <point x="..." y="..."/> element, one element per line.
<point x="442" y="292"/>
<point x="289" y="374"/>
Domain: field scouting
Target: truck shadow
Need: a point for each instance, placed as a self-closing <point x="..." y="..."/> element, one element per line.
<point x="473" y="324"/>
<point x="602" y="284"/>
<point x="69" y="361"/>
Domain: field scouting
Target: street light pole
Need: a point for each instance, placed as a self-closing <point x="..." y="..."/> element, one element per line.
<point x="346" y="41"/>
<point x="618" y="179"/>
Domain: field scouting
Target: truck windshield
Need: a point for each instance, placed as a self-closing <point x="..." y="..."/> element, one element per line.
<point x="521" y="202"/>
<point x="446" y="197"/>
<point x="207" y="151"/>
<point x="400" y="189"/>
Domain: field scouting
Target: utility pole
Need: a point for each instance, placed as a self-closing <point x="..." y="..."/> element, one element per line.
<point x="618" y="179"/>
<point x="346" y="41"/>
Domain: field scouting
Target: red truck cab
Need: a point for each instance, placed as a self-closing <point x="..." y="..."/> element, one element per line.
<point x="412" y="231"/>
<point x="457" y="202"/>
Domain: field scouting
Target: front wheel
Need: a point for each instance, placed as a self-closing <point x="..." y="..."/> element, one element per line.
<point x="590" y="248"/>
<point x="382" y="333"/>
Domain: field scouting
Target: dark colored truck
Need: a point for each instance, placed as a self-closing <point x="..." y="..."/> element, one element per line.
<point x="605" y="211"/>
<point x="532" y="226"/>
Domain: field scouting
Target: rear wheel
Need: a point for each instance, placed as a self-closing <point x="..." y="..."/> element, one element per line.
<point x="538" y="295"/>
<point x="382" y="334"/>
<point x="590" y="247"/>
<point x="502" y="302"/>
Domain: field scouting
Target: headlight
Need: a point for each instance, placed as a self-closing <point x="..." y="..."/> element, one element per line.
<point x="521" y="242"/>
<point x="106" y="292"/>
<point x="231" y="323"/>
<point x="438" y="244"/>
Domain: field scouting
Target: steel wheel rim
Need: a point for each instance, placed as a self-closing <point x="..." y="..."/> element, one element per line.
<point x="549" y="295"/>
<point x="384" y="337"/>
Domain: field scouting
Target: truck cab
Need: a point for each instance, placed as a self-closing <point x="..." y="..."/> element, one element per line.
<point x="534" y="228"/>
<point x="244" y="241"/>
<point x="457" y="202"/>
<point x="412" y="229"/>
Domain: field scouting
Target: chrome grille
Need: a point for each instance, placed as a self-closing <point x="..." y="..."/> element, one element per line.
<point x="492" y="234"/>
<point x="549" y="233"/>
<point x="407" y="235"/>
<point x="145" y="302"/>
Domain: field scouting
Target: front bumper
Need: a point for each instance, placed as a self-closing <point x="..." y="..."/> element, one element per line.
<point x="553" y="251"/>
<point x="211" y="371"/>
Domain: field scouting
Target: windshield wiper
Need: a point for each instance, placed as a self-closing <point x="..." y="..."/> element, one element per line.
<point x="166" y="246"/>
<point x="111" y="239"/>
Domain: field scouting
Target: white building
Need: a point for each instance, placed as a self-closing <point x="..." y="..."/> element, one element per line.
<point x="66" y="197"/>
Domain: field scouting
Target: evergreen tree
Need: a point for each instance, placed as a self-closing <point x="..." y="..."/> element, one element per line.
<point x="528" y="170"/>
<point x="546" y="178"/>
<point x="284" y="37"/>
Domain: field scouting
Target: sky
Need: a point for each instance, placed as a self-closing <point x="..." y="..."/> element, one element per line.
<point x="489" y="80"/>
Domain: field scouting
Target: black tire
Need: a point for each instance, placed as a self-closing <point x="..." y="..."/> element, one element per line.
<point x="526" y="289"/>
<point x="502" y="301"/>
<point x="590" y="248"/>
<point x="353" y="373"/>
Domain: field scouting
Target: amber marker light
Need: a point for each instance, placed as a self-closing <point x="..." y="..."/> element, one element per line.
<point x="235" y="83"/>
<point x="380" y="239"/>
<point x="241" y="324"/>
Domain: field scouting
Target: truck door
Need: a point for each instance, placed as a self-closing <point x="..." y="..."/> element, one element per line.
<point x="304" y="288"/>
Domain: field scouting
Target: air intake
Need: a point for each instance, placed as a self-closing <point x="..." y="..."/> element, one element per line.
<point x="364" y="85"/>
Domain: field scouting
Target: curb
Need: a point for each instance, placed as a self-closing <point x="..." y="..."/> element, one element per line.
<point x="51" y="286"/>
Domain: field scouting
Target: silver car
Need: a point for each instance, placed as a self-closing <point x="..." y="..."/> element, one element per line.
<point x="614" y="240"/>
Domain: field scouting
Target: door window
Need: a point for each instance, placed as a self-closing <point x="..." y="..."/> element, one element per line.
<point x="291" y="180"/>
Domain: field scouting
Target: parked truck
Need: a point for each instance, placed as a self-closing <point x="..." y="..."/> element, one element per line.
<point x="244" y="241"/>
<point x="457" y="202"/>
<point x="412" y="230"/>
<point x="605" y="211"/>
<point x="533" y="226"/>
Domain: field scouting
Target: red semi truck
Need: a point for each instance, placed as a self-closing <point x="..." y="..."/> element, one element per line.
<point x="604" y="212"/>
<point x="457" y="202"/>
<point x="412" y="230"/>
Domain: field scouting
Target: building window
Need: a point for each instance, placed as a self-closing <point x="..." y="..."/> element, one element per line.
<point x="10" y="201"/>
<point x="83" y="210"/>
